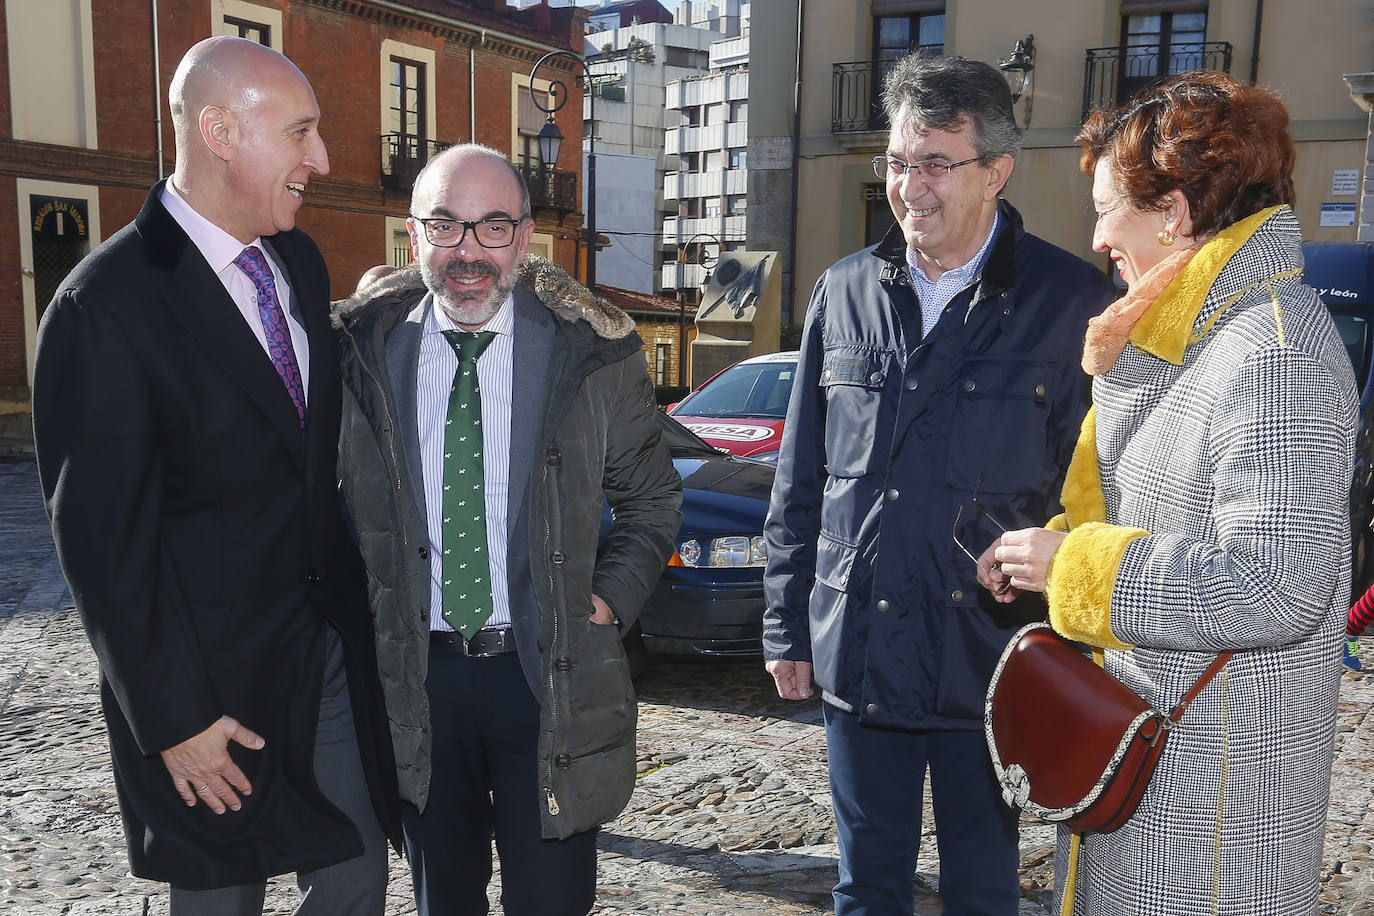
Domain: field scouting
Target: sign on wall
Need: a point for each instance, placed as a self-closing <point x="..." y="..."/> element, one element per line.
<point x="1338" y="214"/>
<point x="1345" y="182"/>
<point x="58" y="218"/>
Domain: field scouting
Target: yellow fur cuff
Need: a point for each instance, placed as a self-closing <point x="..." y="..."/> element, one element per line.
<point x="1059" y="523"/>
<point x="1081" y="579"/>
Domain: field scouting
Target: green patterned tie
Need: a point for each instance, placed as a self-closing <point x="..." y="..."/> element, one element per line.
<point x="467" y="585"/>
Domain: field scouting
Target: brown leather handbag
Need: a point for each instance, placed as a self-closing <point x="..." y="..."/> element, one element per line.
<point x="1069" y="742"/>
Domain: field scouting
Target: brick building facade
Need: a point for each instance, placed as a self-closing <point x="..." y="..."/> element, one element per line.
<point x="396" y="80"/>
<point x="667" y="327"/>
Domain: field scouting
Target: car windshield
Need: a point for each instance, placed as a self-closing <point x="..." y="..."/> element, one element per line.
<point x="682" y="441"/>
<point x="757" y="391"/>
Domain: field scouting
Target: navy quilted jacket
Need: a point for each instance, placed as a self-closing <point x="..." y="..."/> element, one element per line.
<point x="887" y="436"/>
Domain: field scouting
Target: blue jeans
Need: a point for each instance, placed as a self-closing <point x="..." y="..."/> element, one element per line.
<point x="877" y="777"/>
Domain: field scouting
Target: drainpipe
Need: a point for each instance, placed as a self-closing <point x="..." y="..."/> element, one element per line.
<point x="789" y="290"/>
<point x="157" y="93"/>
<point x="1254" y="59"/>
<point x="472" y="85"/>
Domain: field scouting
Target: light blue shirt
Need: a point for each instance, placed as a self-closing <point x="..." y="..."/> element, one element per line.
<point x="934" y="295"/>
<point x="495" y="372"/>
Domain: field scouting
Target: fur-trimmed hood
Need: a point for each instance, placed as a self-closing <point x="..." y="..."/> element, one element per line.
<point x="551" y="285"/>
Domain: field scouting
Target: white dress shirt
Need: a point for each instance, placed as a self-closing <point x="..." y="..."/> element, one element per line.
<point x="495" y="371"/>
<point x="219" y="249"/>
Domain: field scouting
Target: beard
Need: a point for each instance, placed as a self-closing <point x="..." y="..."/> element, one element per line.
<point x="474" y="308"/>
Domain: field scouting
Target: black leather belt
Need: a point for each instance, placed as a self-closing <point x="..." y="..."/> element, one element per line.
<point x="485" y="642"/>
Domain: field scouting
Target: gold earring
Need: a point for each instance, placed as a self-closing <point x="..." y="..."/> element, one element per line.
<point x="1166" y="238"/>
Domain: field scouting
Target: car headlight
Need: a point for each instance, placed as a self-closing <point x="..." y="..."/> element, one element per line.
<point x="737" y="551"/>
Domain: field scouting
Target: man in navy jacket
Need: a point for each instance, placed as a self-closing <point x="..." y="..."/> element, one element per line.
<point x="938" y="394"/>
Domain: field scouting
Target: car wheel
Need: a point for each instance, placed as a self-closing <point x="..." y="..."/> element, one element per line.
<point x="635" y="653"/>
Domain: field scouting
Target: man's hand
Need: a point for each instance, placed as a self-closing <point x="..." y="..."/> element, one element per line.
<point x="601" y="612"/>
<point x="793" y="678"/>
<point x="201" y="767"/>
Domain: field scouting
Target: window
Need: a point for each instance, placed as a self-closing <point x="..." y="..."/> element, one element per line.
<point x="1159" y="44"/>
<point x="691" y="117"/>
<point x="243" y="19"/>
<point x="529" y="122"/>
<point x="712" y="205"/>
<point x="689" y="208"/>
<point x="52" y="90"/>
<point x="715" y="113"/>
<point x="711" y="161"/>
<point x="661" y="354"/>
<point x="690" y="161"/>
<point x="397" y="242"/>
<point x="253" y="31"/>
<point x="739" y="111"/>
<point x="406" y="122"/>
<point x="738" y="204"/>
<point x="895" y="37"/>
<point x="527" y="154"/>
<point x="738" y="159"/>
<point x="407" y="99"/>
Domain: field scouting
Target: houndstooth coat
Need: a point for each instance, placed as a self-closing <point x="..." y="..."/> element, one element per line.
<point x="1238" y="463"/>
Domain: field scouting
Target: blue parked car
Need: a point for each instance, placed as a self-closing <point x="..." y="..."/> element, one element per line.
<point x="709" y="600"/>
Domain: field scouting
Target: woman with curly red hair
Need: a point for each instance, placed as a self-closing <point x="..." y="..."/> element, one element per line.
<point x="1205" y="507"/>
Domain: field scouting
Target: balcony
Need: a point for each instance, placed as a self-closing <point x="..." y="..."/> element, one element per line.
<point x="554" y="189"/>
<point x="403" y="156"/>
<point x="854" y="91"/>
<point x="1111" y="75"/>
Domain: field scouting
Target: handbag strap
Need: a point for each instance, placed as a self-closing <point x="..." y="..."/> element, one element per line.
<point x="1217" y="664"/>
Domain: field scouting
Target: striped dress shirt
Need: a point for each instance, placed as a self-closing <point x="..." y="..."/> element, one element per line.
<point x="438" y="363"/>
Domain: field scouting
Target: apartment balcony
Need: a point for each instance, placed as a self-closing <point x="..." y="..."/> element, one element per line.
<point x="678" y="140"/>
<point x="554" y="189"/>
<point x="679" y="275"/>
<point x="854" y="91"/>
<point x="679" y="230"/>
<point x="730" y="52"/>
<point x="707" y="88"/>
<point x="1111" y="75"/>
<point x="680" y="185"/>
<point x="403" y="156"/>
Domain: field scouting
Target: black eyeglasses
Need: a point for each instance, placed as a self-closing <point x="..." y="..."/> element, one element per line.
<point x="931" y="170"/>
<point x="983" y="511"/>
<point x="443" y="232"/>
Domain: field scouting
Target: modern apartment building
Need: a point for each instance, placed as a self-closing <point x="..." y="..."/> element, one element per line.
<point x="709" y="189"/>
<point x="1085" y="54"/>
<point x="631" y="67"/>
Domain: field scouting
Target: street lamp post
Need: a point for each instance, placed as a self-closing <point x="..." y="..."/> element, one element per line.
<point x="682" y="300"/>
<point x="551" y="139"/>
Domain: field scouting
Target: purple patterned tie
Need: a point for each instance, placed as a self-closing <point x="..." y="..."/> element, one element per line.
<point x="274" y="327"/>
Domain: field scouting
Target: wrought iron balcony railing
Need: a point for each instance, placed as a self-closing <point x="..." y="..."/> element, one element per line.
<point x="854" y="92"/>
<point x="554" y="188"/>
<point x="1110" y="75"/>
<point x="403" y="155"/>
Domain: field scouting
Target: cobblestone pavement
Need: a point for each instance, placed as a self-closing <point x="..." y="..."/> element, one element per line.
<point x="731" y="814"/>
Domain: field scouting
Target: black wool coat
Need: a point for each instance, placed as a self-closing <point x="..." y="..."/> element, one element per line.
<point x="203" y="541"/>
